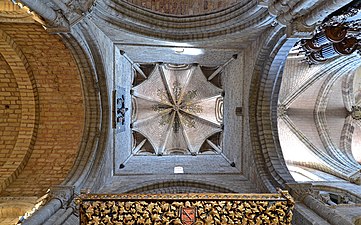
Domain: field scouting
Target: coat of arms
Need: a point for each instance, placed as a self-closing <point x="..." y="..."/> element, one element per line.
<point x="188" y="215"/>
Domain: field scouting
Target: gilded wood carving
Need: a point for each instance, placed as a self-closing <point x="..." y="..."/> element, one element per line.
<point x="186" y="209"/>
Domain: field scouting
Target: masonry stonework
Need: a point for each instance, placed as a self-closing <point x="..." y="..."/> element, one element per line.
<point x="60" y="108"/>
<point x="10" y="111"/>
<point x="56" y="101"/>
<point x="184" y="7"/>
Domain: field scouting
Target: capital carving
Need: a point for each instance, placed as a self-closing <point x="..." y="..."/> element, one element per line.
<point x="356" y="112"/>
<point x="297" y="29"/>
<point x="325" y="198"/>
<point x="69" y="14"/>
<point x="60" y="20"/>
<point x="347" y="199"/>
<point x="82" y="6"/>
<point x="356" y="177"/>
<point x="62" y="192"/>
<point x="301" y="190"/>
<point x="281" y="110"/>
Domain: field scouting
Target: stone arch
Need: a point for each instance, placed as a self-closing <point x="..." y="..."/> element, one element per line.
<point x="92" y="151"/>
<point x="180" y="186"/>
<point x="341" y="190"/>
<point x="57" y="100"/>
<point x="244" y="15"/>
<point x="184" y="8"/>
<point x="264" y="89"/>
<point x="29" y="110"/>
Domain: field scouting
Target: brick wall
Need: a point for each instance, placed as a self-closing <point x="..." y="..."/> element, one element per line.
<point x="10" y="110"/>
<point x="59" y="115"/>
<point x="183" y="7"/>
<point x="16" y="63"/>
<point x="8" y="6"/>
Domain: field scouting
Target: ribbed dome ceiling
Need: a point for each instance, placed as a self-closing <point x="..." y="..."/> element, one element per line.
<point x="177" y="109"/>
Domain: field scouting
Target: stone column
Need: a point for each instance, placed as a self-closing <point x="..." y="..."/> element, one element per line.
<point x="43" y="213"/>
<point x="324" y="211"/>
<point x="40" y="8"/>
<point x="64" y="217"/>
<point x="304" y="193"/>
<point x="59" y="197"/>
<point x="54" y="217"/>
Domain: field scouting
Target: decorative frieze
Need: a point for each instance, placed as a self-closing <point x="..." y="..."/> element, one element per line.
<point x="186" y="209"/>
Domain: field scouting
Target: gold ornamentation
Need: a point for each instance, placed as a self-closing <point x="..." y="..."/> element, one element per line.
<point x="197" y="209"/>
<point x="188" y="121"/>
<point x="163" y="96"/>
<point x="178" y="106"/>
<point x="192" y="108"/>
<point x="165" y="119"/>
<point x="177" y="90"/>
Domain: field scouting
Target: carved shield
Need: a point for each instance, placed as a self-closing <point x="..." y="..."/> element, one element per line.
<point x="188" y="215"/>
